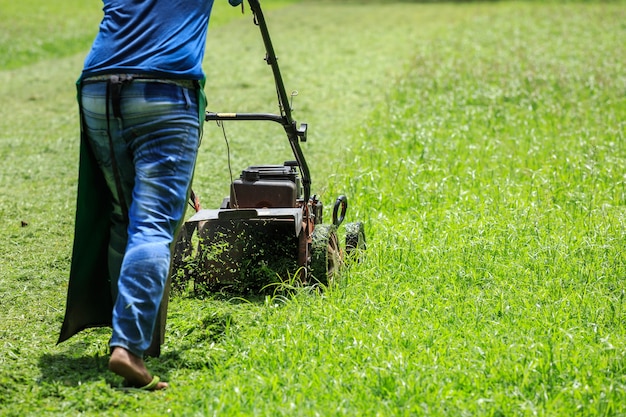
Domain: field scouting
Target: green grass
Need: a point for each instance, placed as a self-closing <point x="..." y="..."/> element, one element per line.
<point x="482" y="144"/>
<point x="32" y="30"/>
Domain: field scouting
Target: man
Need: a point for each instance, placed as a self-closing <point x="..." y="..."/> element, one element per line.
<point x="142" y="105"/>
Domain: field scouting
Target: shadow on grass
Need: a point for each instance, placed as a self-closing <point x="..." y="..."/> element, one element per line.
<point x="72" y="370"/>
<point x="86" y="359"/>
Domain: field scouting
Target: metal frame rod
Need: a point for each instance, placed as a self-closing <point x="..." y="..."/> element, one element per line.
<point x="293" y="133"/>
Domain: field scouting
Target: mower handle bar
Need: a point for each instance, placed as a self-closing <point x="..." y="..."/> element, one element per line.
<point x="211" y="116"/>
<point x="291" y="129"/>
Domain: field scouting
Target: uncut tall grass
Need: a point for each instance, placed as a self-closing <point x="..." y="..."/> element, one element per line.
<point x="483" y="147"/>
<point x="495" y="178"/>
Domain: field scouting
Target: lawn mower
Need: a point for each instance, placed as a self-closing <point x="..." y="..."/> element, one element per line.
<point x="269" y="229"/>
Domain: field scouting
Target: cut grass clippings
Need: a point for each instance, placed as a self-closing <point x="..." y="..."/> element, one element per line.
<point x="483" y="147"/>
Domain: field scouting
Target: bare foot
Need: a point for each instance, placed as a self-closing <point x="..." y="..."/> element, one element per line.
<point x="132" y="369"/>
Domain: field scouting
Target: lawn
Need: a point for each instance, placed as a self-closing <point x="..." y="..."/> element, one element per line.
<point x="483" y="145"/>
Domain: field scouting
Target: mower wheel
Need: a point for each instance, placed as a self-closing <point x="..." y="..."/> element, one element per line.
<point x="325" y="254"/>
<point x="355" y="240"/>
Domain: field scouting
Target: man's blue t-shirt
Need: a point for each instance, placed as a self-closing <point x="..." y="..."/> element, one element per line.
<point x="156" y="37"/>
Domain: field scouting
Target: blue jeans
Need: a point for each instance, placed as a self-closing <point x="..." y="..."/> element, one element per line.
<point x="147" y="157"/>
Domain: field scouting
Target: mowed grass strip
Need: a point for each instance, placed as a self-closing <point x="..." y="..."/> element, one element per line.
<point x="490" y="179"/>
